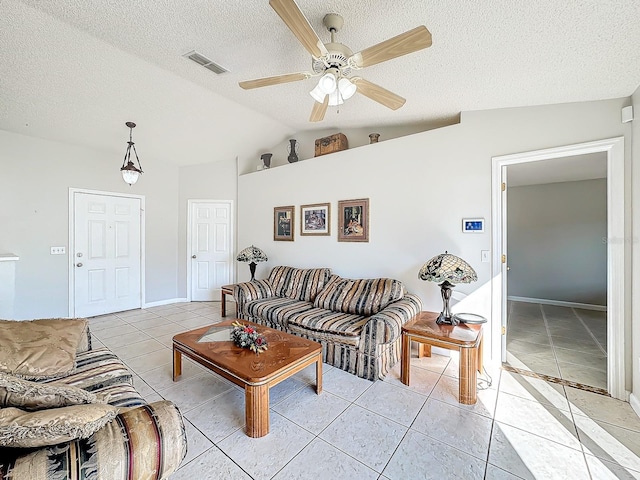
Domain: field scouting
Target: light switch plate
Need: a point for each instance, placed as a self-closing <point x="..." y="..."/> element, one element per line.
<point x="58" y="250"/>
<point x="484" y="256"/>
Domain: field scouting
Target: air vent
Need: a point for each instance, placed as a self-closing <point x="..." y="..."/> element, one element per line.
<point x="205" y="62"/>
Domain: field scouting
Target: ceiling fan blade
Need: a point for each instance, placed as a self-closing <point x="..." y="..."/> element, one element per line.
<point x="296" y="21"/>
<point x="407" y="42"/>
<point x="378" y="94"/>
<point x="278" y="79"/>
<point x="319" y="109"/>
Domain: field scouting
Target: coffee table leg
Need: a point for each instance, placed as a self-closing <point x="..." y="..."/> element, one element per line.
<point x="257" y="410"/>
<point x="319" y="375"/>
<point x="177" y="363"/>
<point x="468" y="375"/>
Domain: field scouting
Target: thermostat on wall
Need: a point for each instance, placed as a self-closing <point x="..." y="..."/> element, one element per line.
<point x="473" y="225"/>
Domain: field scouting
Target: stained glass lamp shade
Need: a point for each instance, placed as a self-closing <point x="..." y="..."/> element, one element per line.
<point x="449" y="270"/>
<point x="252" y="255"/>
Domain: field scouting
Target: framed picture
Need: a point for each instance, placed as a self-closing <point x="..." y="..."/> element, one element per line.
<point x="473" y="225"/>
<point x="315" y="219"/>
<point x="283" y="218"/>
<point x="353" y="221"/>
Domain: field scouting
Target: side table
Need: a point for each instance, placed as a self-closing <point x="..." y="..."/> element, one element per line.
<point x="464" y="338"/>
<point x="224" y="291"/>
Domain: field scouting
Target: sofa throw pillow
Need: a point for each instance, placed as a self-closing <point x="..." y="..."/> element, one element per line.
<point x="37" y="349"/>
<point x="360" y="297"/>
<point x="16" y="392"/>
<point x="19" y="428"/>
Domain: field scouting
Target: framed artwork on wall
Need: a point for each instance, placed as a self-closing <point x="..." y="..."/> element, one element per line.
<point x="315" y="219"/>
<point x="283" y="219"/>
<point x="353" y="220"/>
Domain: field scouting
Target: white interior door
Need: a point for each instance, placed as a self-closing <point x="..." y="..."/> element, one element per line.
<point x="211" y="255"/>
<point x="107" y="254"/>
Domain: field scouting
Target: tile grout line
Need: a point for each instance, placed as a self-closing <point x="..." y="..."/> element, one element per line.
<point x="590" y="332"/>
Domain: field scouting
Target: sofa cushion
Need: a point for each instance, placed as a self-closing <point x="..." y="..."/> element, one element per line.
<point x="344" y="327"/>
<point x="360" y="297"/>
<point x="120" y="395"/>
<point x="279" y="279"/>
<point x="276" y="310"/>
<point x="27" y="395"/>
<point x="52" y="426"/>
<point x="44" y="348"/>
<point x="95" y="370"/>
<point x="304" y="284"/>
<point x="298" y="283"/>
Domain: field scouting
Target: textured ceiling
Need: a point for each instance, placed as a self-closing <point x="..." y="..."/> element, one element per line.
<point x="70" y="55"/>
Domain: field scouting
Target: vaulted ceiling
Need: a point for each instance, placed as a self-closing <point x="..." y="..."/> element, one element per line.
<point x="76" y="70"/>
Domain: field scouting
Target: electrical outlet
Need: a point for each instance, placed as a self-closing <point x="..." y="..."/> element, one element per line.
<point x="484" y="256"/>
<point x="58" y="250"/>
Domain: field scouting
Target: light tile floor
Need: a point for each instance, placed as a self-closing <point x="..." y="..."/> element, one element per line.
<point x="521" y="427"/>
<point x="563" y="342"/>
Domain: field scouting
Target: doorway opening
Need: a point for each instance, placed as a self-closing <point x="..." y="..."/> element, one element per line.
<point x="615" y="250"/>
<point x="557" y="269"/>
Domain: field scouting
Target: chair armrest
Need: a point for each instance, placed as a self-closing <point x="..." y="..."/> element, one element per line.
<point x="141" y="442"/>
<point x="246" y="292"/>
<point x="386" y="325"/>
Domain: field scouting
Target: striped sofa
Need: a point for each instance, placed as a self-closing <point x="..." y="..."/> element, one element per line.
<point x="144" y="441"/>
<point x="357" y="321"/>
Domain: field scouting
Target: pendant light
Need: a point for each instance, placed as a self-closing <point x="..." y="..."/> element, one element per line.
<point x="130" y="173"/>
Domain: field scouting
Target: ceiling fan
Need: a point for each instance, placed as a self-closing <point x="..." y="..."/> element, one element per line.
<point x="334" y="62"/>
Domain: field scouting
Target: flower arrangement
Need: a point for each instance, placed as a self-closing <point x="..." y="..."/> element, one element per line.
<point x="247" y="337"/>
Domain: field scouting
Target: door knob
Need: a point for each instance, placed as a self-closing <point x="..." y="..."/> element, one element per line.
<point x="193" y="256"/>
<point x="79" y="264"/>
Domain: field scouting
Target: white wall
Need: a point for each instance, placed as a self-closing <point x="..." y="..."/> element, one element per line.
<point x="557" y="244"/>
<point x="420" y="187"/>
<point x="35" y="177"/>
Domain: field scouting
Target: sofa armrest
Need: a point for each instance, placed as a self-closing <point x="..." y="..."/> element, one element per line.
<point x="246" y="292"/>
<point x="141" y="442"/>
<point x="386" y="325"/>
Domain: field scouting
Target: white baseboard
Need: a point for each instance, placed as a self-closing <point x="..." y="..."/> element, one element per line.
<point x="165" y="302"/>
<point x="559" y="303"/>
<point x="635" y="403"/>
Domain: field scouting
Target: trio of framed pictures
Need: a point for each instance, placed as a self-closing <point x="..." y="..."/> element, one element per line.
<point x="315" y="220"/>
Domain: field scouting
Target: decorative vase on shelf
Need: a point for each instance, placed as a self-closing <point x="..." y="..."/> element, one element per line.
<point x="266" y="159"/>
<point x="293" y="150"/>
<point x="373" y="138"/>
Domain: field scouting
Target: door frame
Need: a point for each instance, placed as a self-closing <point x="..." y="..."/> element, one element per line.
<point x="617" y="281"/>
<point x="70" y="253"/>
<point x="190" y="203"/>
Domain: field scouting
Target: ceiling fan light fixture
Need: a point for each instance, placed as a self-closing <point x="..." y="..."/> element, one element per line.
<point x="335" y="98"/>
<point x="347" y="89"/>
<point x="328" y="83"/>
<point x="317" y="94"/>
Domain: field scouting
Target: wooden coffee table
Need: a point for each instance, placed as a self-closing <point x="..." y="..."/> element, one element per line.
<point x="465" y="338"/>
<point x="287" y="354"/>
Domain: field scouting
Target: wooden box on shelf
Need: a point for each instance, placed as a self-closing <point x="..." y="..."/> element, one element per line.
<point x="330" y="144"/>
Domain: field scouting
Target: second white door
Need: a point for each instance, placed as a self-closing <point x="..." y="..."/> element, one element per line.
<point x="211" y="252"/>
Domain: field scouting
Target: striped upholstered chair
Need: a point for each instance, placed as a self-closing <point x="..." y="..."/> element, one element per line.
<point x="142" y="441"/>
<point x="357" y="321"/>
